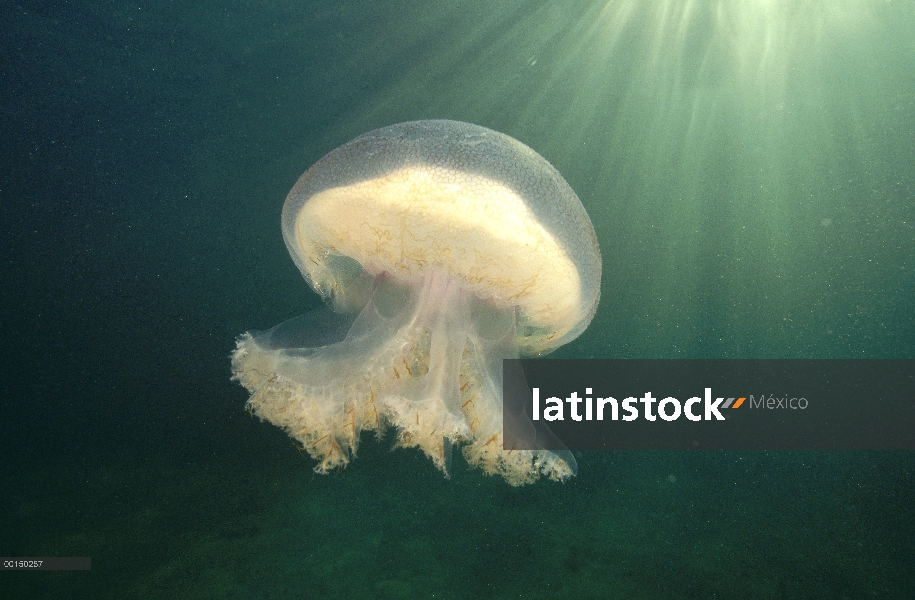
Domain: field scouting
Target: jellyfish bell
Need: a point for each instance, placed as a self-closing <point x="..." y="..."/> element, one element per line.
<point x="441" y="248"/>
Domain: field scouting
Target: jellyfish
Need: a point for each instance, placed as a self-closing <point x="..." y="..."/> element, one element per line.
<point x="440" y="248"/>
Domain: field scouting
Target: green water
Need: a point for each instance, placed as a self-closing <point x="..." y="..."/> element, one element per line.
<point x="748" y="167"/>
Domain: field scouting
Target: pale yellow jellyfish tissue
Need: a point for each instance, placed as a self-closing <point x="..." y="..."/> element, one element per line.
<point x="441" y="248"/>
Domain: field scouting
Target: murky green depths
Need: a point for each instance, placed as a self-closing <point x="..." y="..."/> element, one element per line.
<point x="748" y="166"/>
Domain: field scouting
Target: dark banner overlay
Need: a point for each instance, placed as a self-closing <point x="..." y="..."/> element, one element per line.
<point x="709" y="404"/>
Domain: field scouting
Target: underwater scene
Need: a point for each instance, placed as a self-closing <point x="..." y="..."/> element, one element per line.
<point x="260" y="263"/>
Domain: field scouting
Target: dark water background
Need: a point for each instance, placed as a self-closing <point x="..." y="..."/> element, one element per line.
<point x="749" y="170"/>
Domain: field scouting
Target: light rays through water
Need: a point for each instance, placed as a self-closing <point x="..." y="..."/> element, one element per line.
<point x="708" y="139"/>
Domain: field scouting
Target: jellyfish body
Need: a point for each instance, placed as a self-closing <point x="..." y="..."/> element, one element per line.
<point x="441" y="248"/>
